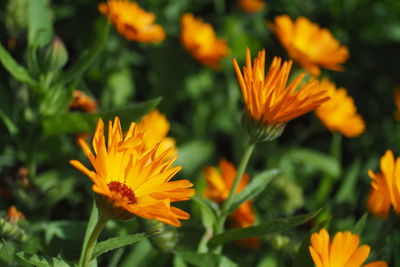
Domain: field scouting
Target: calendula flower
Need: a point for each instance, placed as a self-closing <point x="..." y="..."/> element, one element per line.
<point x="14" y="215"/>
<point x="82" y="102"/>
<point x="200" y="40"/>
<point x="219" y="184"/>
<point x="387" y="183"/>
<point x="397" y="102"/>
<point x="156" y="127"/>
<point x="378" y="204"/>
<point x="251" y="6"/>
<point x="309" y="45"/>
<point x="131" y="178"/>
<point x="343" y="251"/>
<point x="132" y="21"/>
<point x="270" y="103"/>
<point x="339" y="114"/>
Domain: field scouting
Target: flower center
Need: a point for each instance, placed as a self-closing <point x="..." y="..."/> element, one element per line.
<point x="124" y="190"/>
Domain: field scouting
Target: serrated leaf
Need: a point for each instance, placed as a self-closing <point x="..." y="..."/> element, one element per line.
<point x="359" y="226"/>
<point x="117" y="242"/>
<point x="206" y="259"/>
<point x="272" y="226"/>
<point x="253" y="189"/>
<point x="320" y="161"/>
<point x="88" y="57"/>
<point x="16" y="70"/>
<point x="75" y="122"/>
<point x="40" y="29"/>
<point x="42" y="261"/>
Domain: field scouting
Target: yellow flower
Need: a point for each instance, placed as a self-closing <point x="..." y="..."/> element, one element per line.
<point x="200" y="40"/>
<point x="133" y="178"/>
<point x="339" y="114"/>
<point x="343" y="251"/>
<point x="268" y="99"/>
<point x="219" y="184"/>
<point x="82" y="102"/>
<point x="309" y="45"/>
<point x="387" y="183"/>
<point x="251" y="6"/>
<point x="156" y="128"/>
<point x="378" y="204"/>
<point x="132" y="21"/>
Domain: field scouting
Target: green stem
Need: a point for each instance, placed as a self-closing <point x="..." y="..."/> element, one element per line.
<point x="326" y="184"/>
<point x="88" y="251"/>
<point x="228" y="202"/>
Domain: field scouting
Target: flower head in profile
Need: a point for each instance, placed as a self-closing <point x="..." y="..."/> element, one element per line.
<point x="82" y="102"/>
<point x="342" y="251"/>
<point x="339" y="114"/>
<point x="251" y="6"/>
<point x="156" y="128"/>
<point x="270" y="103"/>
<point x="309" y="45"/>
<point x="219" y="183"/>
<point x="200" y="40"/>
<point x="387" y="185"/>
<point x="132" y="21"/>
<point x="131" y="179"/>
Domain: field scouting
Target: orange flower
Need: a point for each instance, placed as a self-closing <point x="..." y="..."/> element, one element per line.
<point x="219" y="184"/>
<point x="251" y="6"/>
<point x="156" y="127"/>
<point x="201" y="41"/>
<point x="132" y="178"/>
<point x="268" y="100"/>
<point x="378" y="204"/>
<point x="339" y="114"/>
<point x="14" y="215"/>
<point x="387" y="183"/>
<point x="82" y="102"/>
<point x="309" y="45"/>
<point x="132" y="21"/>
<point x="343" y="251"/>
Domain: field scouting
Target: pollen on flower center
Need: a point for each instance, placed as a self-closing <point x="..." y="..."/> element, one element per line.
<point x="124" y="190"/>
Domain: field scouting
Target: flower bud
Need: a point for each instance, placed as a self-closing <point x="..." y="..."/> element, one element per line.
<point x="259" y="131"/>
<point x="167" y="238"/>
<point x="16" y="17"/>
<point x="54" y="56"/>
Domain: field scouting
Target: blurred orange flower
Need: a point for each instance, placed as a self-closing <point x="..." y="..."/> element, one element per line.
<point x="387" y="183"/>
<point x="251" y="6"/>
<point x="14" y="215"/>
<point x="343" y="251"/>
<point x="309" y="45"/>
<point x="378" y="204"/>
<point x="219" y="184"/>
<point x="339" y="114"/>
<point x="200" y="40"/>
<point x="133" y="179"/>
<point x="82" y="102"/>
<point x="132" y="21"/>
<point x="156" y="128"/>
<point x="268" y="99"/>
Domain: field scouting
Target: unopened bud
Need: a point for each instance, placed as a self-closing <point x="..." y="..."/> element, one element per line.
<point x="16" y="17"/>
<point x="166" y="239"/>
<point x="54" y="56"/>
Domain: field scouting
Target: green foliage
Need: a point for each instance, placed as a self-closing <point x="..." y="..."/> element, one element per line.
<point x="42" y="261"/>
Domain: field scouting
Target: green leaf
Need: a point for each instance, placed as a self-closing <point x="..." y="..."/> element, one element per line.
<point x="205" y="259"/>
<point x="359" y="226"/>
<point x="315" y="159"/>
<point x="16" y="70"/>
<point x="272" y="226"/>
<point x="88" y="57"/>
<point x="194" y="155"/>
<point x="40" y="28"/>
<point x="209" y="212"/>
<point x="117" y="242"/>
<point x="347" y="187"/>
<point x="11" y="127"/>
<point x="42" y="261"/>
<point x="94" y="217"/>
<point x="253" y="189"/>
<point x="75" y="122"/>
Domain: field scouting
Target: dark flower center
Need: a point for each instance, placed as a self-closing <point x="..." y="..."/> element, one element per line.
<point x="124" y="190"/>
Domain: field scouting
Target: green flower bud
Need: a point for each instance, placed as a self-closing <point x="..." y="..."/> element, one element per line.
<point x="167" y="238"/>
<point x="12" y="231"/>
<point x="16" y="17"/>
<point x="259" y="131"/>
<point x="54" y="56"/>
